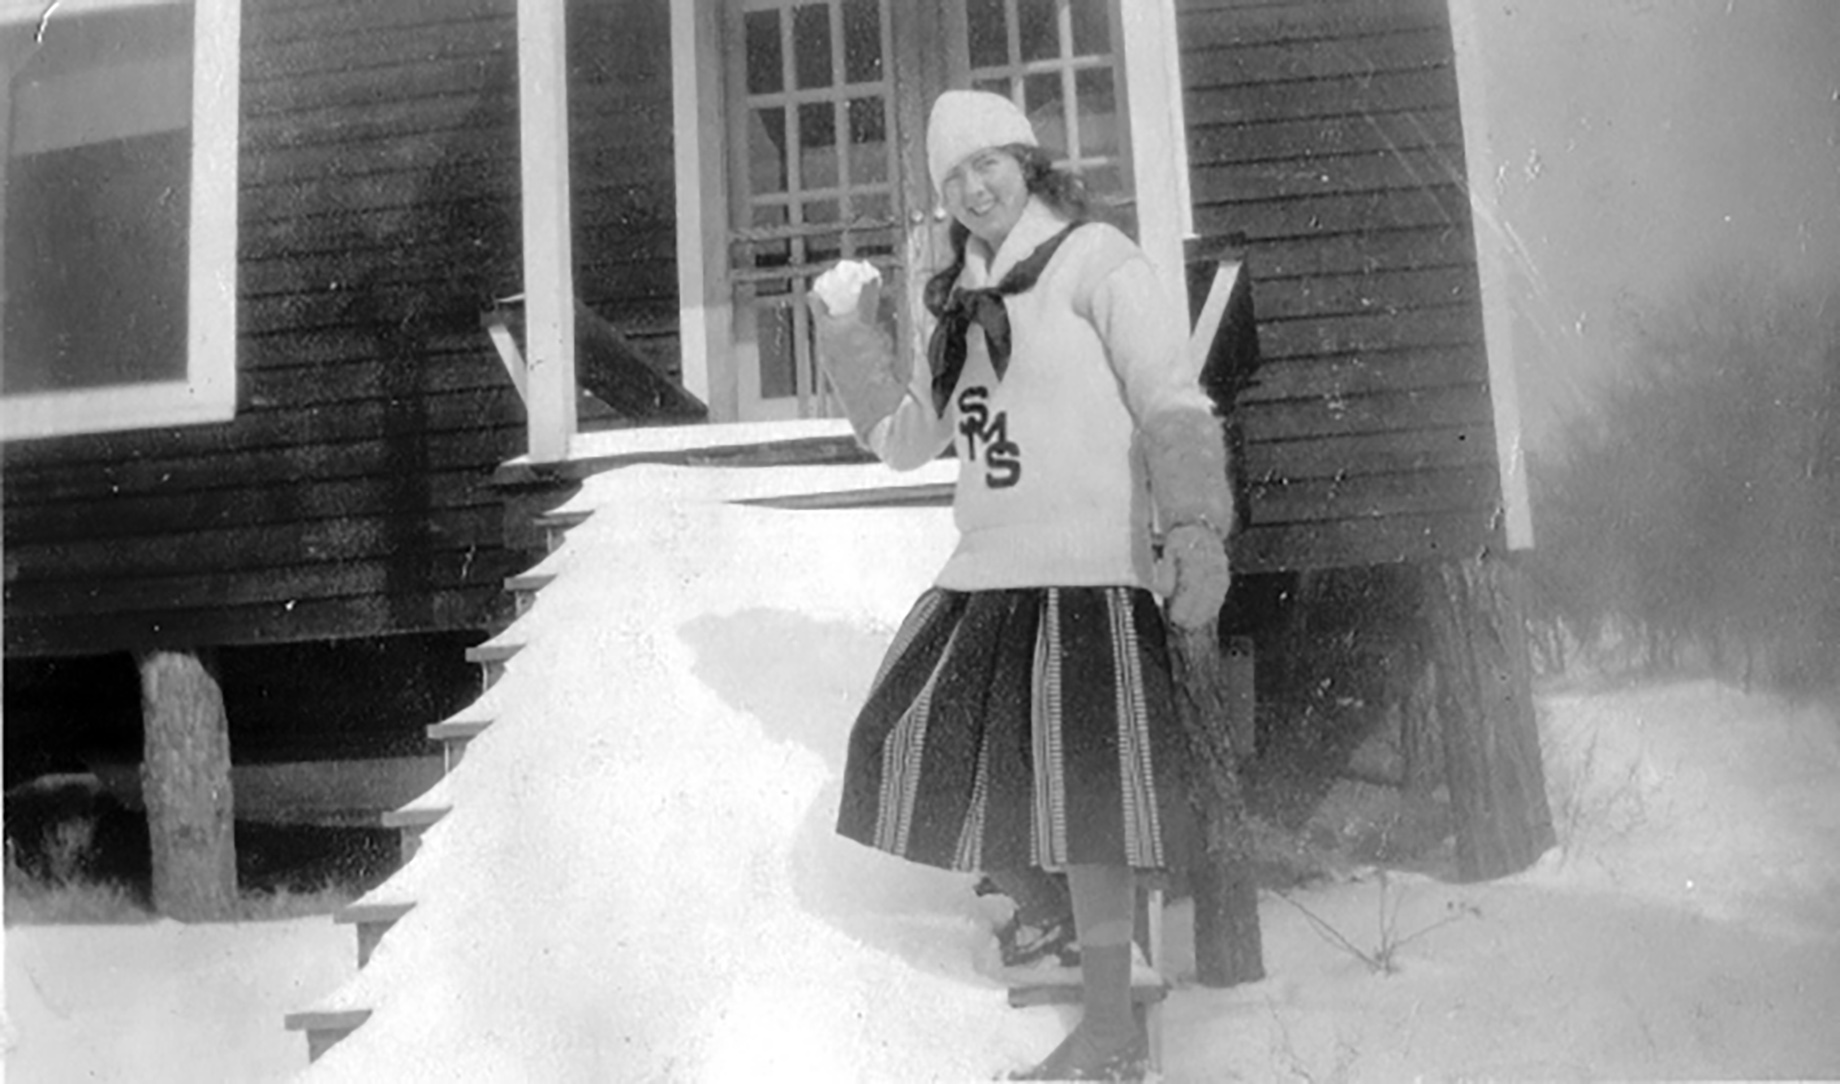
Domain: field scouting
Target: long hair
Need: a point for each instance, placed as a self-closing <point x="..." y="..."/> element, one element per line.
<point x="1061" y="189"/>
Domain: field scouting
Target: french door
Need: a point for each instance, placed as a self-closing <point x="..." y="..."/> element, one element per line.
<point x="826" y="104"/>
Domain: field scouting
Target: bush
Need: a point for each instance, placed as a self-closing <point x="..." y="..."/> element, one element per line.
<point x="1694" y="515"/>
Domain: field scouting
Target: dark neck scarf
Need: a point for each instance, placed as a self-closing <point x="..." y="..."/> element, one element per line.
<point x="946" y="351"/>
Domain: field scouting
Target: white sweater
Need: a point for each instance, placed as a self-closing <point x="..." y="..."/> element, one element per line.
<point x="1052" y="485"/>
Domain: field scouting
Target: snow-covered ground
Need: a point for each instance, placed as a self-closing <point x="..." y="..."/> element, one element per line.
<point x="639" y="882"/>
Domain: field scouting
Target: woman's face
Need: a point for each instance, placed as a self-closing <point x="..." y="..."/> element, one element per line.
<point x="987" y="193"/>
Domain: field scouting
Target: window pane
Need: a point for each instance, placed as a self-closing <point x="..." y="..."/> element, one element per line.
<point x="874" y="242"/>
<point x="811" y="45"/>
<point x="96" y="264"/>
<point x="868" y="141"/>
<point x="817" y="145"/>
<point x="765" y="73"/>
<point x="770" y="253"/>
<point x="987" y="32"/>
<point x="96" y="190"/>
<point x="1098" y="111"/>
<point x="862" y="40"/>
<point x="777" y="358"/>
<point x="1039" y="34"/>
<point x="767" y="150"/>
<point x="1041" y="96"/>
<point x="995" y="86"/>
<point x="823" y="247"/>
<point x="1092" y="28"/>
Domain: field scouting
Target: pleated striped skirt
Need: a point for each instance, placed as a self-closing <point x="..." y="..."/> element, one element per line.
<point x="1026" y="727"/>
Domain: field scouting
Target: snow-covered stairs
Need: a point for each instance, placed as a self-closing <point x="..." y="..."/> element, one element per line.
<point x="379" y="911"/>
<point x="404" y="898"/>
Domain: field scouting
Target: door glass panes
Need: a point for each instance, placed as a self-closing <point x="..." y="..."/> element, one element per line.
<point x="1056" y="59"/>
<point x="820" y="178"/>
<point x="811" y="44"/>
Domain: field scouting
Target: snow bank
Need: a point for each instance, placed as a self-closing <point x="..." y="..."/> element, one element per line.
<point x="639" y="881"/>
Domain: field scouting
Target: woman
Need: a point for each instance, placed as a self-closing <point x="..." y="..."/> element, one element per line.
<point x="1025" y="715"/>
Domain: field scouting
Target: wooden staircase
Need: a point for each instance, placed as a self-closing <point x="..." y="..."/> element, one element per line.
<point x="373" y="916"/>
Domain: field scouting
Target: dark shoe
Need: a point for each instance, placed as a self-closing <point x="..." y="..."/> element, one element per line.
<point x="1025" y="944"/>
<point x="1081" y="1057"/>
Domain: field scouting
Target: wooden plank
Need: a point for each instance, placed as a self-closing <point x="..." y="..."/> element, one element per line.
<point x="154" y="511"/>
<point x="1210" y="23"/>
<point x="376" y="190"/>
<point x="1355" y="542"/>
<point x="105" y="470"/>
<point x="1442" y="245"/>
<point x="460" y="79"/>
<point x="1297" y="419"/>
<point x="1214" y="56"/>
<point x="1369" y="453"/>
<point x="303" y="386"/>
<point x="1282" y="140"/>
<point x="1373" y="495"/>
<point x="270" y="22"/>
<point x="378" y="42"/>
<point x="262" y="546"/>
<point x="1355" y="333"/>
<point x="340" y="154"/>
<point x="1346" y="96"/>
<point x="1218" y="213"/>
<point x="1365" y="373"/>
<point x="268" y="623"/>
<point x="1379" y="291"/>
<point x="1324" y="174"/>
<point x="363" y="277"/>
<point x="390" y="119"/>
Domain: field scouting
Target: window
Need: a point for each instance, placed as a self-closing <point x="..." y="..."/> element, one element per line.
<point x="1056" y="59"/>
<point x="118" y="214"/>
<point x="821" y="177"/>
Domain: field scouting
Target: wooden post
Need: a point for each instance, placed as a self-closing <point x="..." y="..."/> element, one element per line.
<point x="1228" y="945"/>
<point x="1484" y="699"/>
<point x="549" y="259"/>
<point x="185" y="781"/>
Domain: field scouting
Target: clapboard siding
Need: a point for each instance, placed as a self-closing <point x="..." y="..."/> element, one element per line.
<point x="294" y="620"/>
<point x="1326" y="147"/>
<point x="1360" y="455"/>
<point x="378" y="217"/>
<point x="263" y="468"/>
<point x="329" y="500"/>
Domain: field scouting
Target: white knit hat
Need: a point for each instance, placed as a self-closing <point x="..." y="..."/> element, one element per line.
<point x="965" y="122"/>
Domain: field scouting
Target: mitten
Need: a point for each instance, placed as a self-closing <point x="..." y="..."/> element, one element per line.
<point x="1185" y="453"/>
<point x="858" y="356"/>
<point x="1195" y="575"/>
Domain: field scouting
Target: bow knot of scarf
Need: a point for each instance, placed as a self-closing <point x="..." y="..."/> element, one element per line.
<point x="984" y="307"/>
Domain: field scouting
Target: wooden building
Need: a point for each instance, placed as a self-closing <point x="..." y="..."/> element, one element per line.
<point x="310" y="453"/>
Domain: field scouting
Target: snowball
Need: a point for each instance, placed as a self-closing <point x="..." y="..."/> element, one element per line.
<point x="842" y="285"/>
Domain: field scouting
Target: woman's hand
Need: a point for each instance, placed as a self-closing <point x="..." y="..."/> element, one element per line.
<point x="1195" y="575"/>
<point x="858" y="356"/>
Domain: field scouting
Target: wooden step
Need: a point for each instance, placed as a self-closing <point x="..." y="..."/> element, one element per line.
<point x="1068" y="993"/>
<point x="454" y="736"/>
<point x="491" y="659"/>
<point x="372" y="920"/>
<point x="413" y="820"/>
<point x="325" y="1029"/>
<point x="524" y="588"/>
<point x="555" y="525"/>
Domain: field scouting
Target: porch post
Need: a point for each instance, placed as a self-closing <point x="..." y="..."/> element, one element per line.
<point x="1494" y="251"/>
<point x="705" y="306"/>
<point x="549" y="270"/>
<point x="1159" y="134"/>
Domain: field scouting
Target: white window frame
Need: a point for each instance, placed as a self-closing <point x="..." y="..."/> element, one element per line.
<point x="207" y="393"/>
